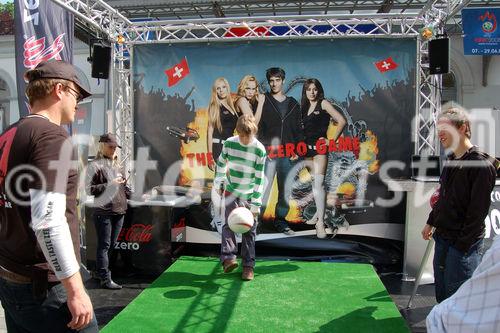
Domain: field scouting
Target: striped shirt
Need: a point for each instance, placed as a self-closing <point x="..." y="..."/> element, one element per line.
<point x="241" y="168"/>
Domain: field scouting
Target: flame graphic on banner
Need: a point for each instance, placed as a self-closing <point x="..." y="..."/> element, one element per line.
<point x="346" y="189"/>
<point x="193" y="153"/>
<point x="368" y="151"/>
<point x="294" y="214"/>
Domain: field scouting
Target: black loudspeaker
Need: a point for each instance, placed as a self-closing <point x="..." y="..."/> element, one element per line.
<point x="439" y="56"/>
<point x="101" y="60"/>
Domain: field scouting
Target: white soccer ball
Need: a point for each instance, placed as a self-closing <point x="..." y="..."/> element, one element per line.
<point x="240" y="220"/>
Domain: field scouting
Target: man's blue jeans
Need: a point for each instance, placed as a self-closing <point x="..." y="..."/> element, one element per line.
<point x="279" y="167"/>
<point x="26" y="314"/>
<point x="453" y="267"/>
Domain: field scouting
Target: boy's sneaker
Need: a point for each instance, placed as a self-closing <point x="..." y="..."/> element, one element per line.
<point x="229" y="265"/>
<point x="247" y="274"/>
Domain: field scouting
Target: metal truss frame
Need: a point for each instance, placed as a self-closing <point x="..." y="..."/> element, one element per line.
<point x="125" y="34"/>
<point x="299" y="26"/>
<point x="277" y="8"/>
<point x="435" y="14"/>
<point x="180" y="9"/>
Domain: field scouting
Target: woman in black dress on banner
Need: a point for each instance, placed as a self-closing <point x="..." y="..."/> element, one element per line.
<point x="222" y="117"/>
<point x="316" y="115"/>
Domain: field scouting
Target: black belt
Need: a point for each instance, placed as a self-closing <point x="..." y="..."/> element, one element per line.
<point x="37" y="276"/>
<point x="14" y="277"/>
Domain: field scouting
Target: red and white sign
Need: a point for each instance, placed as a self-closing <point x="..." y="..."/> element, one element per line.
<point x="386" y="65"/>
<point x="177" y="72"/>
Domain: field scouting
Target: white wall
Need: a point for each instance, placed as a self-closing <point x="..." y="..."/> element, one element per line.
<point x="483" y="103"/>
<point x="80" y="54"/>
<point x="7" y="73"/>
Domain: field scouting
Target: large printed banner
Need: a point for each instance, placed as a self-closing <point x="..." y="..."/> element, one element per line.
<point x="333" y="115"/>
<point x="44" y="31"/>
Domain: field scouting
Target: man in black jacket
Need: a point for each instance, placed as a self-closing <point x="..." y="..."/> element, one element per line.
<point x="279" y="125"/>
<point x="466" y="182"/>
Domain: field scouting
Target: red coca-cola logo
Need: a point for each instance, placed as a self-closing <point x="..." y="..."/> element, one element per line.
<point x="136" y="233"/>
<point x="35" y="51"/>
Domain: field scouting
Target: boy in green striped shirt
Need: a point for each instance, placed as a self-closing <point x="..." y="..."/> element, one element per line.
<point x="240" y="168"/>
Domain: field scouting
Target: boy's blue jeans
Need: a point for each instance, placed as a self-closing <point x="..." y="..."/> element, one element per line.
<point x="453" y="267"/>
<point x="229" y="246"/>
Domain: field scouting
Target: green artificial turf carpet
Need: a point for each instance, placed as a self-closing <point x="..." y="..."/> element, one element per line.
<point x="194" y="295"/>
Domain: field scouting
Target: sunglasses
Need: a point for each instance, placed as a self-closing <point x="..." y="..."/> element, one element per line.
<point x="78" y="96"/>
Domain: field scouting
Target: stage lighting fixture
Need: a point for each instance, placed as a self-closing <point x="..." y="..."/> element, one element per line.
<point x="427" y="32"/>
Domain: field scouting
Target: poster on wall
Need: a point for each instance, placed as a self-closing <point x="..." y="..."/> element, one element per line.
<point x="331" y="114"/>
<point x="481" y="36"/>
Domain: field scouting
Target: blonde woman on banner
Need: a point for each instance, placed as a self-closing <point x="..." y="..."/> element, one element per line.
<point x="222" y="118"/>
<point x="249" y="99"/>
<point x="317" y="112"/>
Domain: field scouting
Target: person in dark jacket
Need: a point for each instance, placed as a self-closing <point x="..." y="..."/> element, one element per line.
<point x="456" y="221"/>
<point x="107" y="183"/>
<point x="280" y="124"/>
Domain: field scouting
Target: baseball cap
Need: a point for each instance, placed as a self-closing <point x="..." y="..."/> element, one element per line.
<point x="110" y="139"/>
<point x="56" y="69"/>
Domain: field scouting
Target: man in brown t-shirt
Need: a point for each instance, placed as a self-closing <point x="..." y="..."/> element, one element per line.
<point x="40" y="284"/>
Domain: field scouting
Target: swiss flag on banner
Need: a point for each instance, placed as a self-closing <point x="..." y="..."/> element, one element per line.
<point x="177" y="72"/>
<point x="386" y="65"/>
